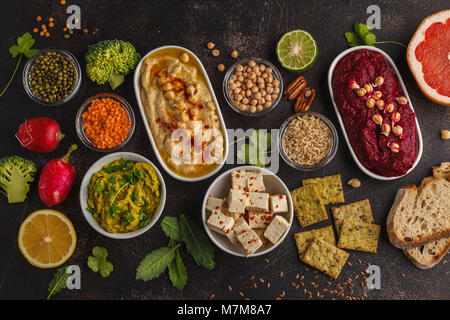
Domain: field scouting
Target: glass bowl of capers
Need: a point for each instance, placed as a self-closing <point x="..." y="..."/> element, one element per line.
<point x="52" y="77"/>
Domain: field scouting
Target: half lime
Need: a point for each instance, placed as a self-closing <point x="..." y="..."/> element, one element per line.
<point x="297" y="50"/>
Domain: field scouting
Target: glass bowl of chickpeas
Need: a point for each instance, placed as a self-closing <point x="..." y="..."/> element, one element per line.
<point x="105" y="122"/>
<point x="52" y="77"/>
<point x="253" y="86"/>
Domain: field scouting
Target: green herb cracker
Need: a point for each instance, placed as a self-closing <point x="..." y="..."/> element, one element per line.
<point x="359" y="236"/>
<point x="304" y="239"/>
<point x="359" y="211"/>
<point x="325" y="257"/>
<point x="308" y="206"/>
<point x="329" y="188"/>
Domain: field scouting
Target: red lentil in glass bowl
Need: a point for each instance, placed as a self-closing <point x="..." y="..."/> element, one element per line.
<point x="105" y="119"/>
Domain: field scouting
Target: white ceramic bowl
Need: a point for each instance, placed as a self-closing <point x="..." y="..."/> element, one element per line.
<point x="220" y="189"/>
<point x="137" y="90"/>
<point x="84" y="194"/>
<point x="344" y="132"/>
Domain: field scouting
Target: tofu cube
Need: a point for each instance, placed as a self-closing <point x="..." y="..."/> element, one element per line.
<point x="249" y="241"/>
<point x="260" y="233"/>
<point x="255" y="181"/>
<point x="220" y="222"/>
<point x="239" y="226"/>
<point x="237" y="201"/>
<point x="235" y="216"/>
<point x="258" y="202"/>
<point x="276" y="229"/>
<point x="259" y="220"/>
<point x="239" y="180"/>
<point x="214" y="203"/>
<point x="278" y="203"/>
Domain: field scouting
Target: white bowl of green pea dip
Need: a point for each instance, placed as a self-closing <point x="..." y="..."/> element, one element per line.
<point x="122" y="195"/>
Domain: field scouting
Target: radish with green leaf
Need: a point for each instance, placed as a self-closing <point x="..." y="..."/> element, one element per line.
<point x="56" y="179"/>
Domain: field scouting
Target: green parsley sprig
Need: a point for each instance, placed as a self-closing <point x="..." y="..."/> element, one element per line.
<point x="97" y="262"/>
<point x="23" y="48"/>
<point x="363" y="36"/>
<point x="254" y="152"/>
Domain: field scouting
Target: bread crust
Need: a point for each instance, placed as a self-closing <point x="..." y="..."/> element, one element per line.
<point x="393" y="238"/>
<point x="431" y="264"/>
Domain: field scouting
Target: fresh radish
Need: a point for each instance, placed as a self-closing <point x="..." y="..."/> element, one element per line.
<point x="56" y="179"/>
<point x="39" y="134"/>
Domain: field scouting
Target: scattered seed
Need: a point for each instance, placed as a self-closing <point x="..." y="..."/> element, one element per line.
<point x="266" y="260"/>
<point x="293" y="284"/>
<point x="212" y="296"/>
<point x="252" y="278"/>
<point x="261" y="280"/>
<point x="281" y="274"/>
<point x="241" y="294"/>
<point x="246" y="298"/>
<point x="312" y="283"/>
<point x="315" y="277"/>
<point x="255" y="285"/>
<point x="403" y="276"/>
<point x="329" y="283"/>
<point x="283" y="293"/>
<point x="277" y="298"/>
<point x="349" y="263"/>
<point x="302" y="284"/>
<point x="268" y="284"/>
<point x="229" y="288"/>
<point x="302" y="277"/>
<point x="359" y="261"/>
<point x="297" y="276"/>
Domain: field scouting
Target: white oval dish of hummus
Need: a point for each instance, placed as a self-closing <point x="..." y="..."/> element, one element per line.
<point x="181" y="113"/>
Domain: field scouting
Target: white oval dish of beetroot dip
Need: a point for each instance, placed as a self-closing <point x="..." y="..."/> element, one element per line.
<point x="375" y="113"/>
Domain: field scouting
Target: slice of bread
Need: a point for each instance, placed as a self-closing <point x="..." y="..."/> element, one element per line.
<point x="428" y="255"/>
<point x="420" y="216"/>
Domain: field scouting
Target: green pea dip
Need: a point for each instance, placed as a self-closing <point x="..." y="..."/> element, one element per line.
<point x="124" y="195"/>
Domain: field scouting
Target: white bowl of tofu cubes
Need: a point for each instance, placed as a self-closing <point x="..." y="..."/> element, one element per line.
<point x="247" y="211"/>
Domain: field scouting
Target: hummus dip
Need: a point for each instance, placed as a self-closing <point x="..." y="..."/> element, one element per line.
<point x="181" y="113"/>
<point x="379" y="122"/>
<point x="124" y="195"/>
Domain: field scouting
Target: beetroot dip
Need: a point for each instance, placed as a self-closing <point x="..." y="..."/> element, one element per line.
<point x="387" y="155"/>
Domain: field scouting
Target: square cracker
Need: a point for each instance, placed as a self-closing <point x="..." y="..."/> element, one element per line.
<point x="304" y="239"/>
<point x="359" y="211"/>
<point x="359" y="236"/>
<point x="325" y="257"/>
<point x="329" y="188"/>
<point x="308" y="206"/>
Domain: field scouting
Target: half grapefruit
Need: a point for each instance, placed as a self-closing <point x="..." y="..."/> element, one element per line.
<point x="428" y="57"/>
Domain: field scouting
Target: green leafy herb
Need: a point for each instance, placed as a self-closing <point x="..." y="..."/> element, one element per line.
<point x="59" y="282"/>
<point x="124" y="165"/>
<point x="155" y="263"/>
<point x="197" y="244"/>
<point x="98" y="187"/>
<point x="255" y="152"/>
<point x="363" y="36"/>
<point x="23" y="48"/>
<point x="171" y="228"/>
<point x="112" y="210"/>
<point x="97" y="262"/>
<point x="177" y="272"/>
<point x="91" y="210"/>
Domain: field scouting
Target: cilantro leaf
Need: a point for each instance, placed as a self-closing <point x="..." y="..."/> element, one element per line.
<point x="197" y="243"/>
<point x="171" y="228"/>
<point x="97" y="262"/>
<point x="353" y="39"/>
<point x="59" y="282"/>
<point x="155" y="263"/>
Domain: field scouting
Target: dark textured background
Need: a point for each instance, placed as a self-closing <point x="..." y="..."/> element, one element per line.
<point x="253" y="28"/>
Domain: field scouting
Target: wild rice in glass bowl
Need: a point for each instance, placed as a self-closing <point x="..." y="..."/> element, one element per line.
<point x="307" y="141"/>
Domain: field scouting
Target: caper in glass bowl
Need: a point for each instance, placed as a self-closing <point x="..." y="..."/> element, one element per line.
<point x="52" y="77"/>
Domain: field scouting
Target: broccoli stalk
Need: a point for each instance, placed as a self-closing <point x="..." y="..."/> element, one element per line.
<point x="16" y="174"/>
<point x="108" y="61"/>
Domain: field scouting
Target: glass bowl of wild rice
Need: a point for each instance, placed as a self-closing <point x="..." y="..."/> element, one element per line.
<point x="307" y="141"/>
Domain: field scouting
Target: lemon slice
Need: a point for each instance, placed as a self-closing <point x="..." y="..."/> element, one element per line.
<point x="297" y="50"/>
<point x="47" y="238"/>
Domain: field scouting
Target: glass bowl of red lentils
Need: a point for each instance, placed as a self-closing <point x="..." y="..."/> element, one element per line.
<point x="252" y="86"/>
<point x="105" y="122"/>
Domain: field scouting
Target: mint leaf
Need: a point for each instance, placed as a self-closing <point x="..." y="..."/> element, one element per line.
<point x="59" y="282"/>
<point x="97" y="262"/>
<point x="177" y="272"/>
<point x="155" y="263"/>
<point x="171" y="228"/>
<point x="197" y="243"/>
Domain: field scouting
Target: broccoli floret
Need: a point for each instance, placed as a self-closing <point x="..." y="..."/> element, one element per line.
<point x="110" y="60"/>
<point x="16" y="174"/>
